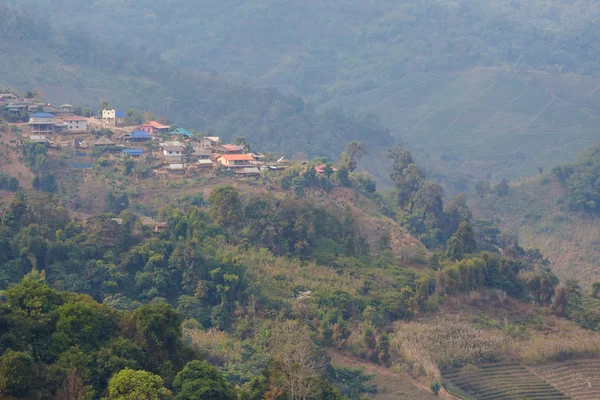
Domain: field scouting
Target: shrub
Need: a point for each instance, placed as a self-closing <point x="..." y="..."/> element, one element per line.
<point x="435" y="387"/>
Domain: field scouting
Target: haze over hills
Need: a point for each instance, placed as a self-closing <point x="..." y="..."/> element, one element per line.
<point x="473" y="87"/>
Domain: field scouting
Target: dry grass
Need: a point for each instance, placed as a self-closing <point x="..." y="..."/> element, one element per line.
<point x="216" y="346"/>
<point x="568" y="345"/>
<point x="292" y="274"/>
<point x="445" y="344"/>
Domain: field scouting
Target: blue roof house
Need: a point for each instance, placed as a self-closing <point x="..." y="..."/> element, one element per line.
<point x="133" y="152"/>
<point x="140" y="136"/>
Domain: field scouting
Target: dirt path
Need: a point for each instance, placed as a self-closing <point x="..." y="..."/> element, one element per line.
<point x="390" y="385"/>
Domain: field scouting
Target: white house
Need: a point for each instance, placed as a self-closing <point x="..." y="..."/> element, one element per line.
<point x="76" y="124"/>
<point x="173" y="151"/>
<point x="208" y="142"/>
<point x="108" y="117"/>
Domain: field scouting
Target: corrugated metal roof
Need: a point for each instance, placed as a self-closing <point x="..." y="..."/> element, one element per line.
<point x="42" y="115"/>
<point x="133" y="152"/>
<point x="181" y="131"/>
<point x="140" y="134"/>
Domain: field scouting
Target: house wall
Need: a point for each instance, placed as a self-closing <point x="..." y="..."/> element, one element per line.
<point x="77" y="126"/>
<point x="108" y="117"/>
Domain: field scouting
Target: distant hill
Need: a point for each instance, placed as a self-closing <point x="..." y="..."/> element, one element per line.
<point x="490" y="88"/>
<point x="74" y="67"/>
<point x="534" y="210"/>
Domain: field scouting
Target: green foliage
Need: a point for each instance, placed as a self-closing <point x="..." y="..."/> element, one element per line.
<point x="225" y="207"/>
<point x="435" y="387"/>
<point x="582" y="179"/>
<point x="17" y="374"/>
<point x="8" y="182"/>
<point x="129" y="384"/>
<point x="352" y="383"/>
<point x="200" y="380"/>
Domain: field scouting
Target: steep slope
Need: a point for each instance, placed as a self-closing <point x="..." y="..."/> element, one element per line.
<point x="533" y="211"/>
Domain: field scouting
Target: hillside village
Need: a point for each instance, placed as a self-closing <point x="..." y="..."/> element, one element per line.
<point x="166" y="147"/>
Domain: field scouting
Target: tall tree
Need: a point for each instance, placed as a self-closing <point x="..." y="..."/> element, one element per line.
<point x="225" y="206"/>
<point x="129" y="384"/>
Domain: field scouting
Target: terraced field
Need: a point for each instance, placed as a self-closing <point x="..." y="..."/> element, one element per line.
<point x="579" y="379"/>
<point x="504" y="381"/>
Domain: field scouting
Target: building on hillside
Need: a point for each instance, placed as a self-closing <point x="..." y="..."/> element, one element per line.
<point x="7" y="98"/>
<point x="104" y="142"/>
<point x="137" y="136"/>
<point x="120" y="117"/>
<point x="176" y="168"/>
<point x="229" y="149"/>
<point x="57" y="111"/>
<point x="66" y="107"/>
<point x="154" y="127"/>
<point x="236" y="160"/>
<point x="108" y="117"/>
<point x="321" y="169"/>
<point x="208" y="142"/>
<point x="200" y="153"/>
<point x="17" y="110"/>
<point x="173" y="152"/>
<point x="204" y="163"/>
<point x="133" y="152"/>
<point x="247" y="171"/>
<point x="181" y="132"/>
<point x="39" y="139"/>
<point x="76" y="124"/>
<point x="283" y="160"/>
<point x="42" y="123"/>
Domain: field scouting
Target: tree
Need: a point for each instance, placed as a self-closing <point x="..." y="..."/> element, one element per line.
<point x="595" y="292"/>
<point x="225" y="207"/>
<point x="467" y="238"/>
<point x="299" y="366"/>
<point x="17" y="374"/>
<point x="428" y="199"/>
<point x="158" y="332"/>
<point x="129" y="384"/>
<point x="435" y="387"/>
<point x="406" y="175"/>
<point x="353" y="154"/>
<point x="502" y="188"/>
<point x="200" y="380"/>
<point x="72" y="387"/>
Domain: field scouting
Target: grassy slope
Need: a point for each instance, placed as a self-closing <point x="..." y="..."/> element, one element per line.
<point x="532" y="211"/>
<point x="487" y="122"/>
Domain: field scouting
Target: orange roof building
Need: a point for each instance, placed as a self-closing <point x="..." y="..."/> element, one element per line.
<point x="235" y="160"/>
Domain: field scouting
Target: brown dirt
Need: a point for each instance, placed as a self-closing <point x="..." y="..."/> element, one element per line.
<point x="390" y="385"/>
<point x="10" y="163"/>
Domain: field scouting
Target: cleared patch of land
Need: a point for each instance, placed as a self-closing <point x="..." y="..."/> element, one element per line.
<point x="580" y="379"/>
<point x="502" y="381"/>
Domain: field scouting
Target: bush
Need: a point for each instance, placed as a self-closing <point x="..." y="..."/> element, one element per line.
<point x="435" y="387"/>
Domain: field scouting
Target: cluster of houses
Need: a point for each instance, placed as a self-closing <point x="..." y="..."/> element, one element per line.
<point x="178" y="149"/>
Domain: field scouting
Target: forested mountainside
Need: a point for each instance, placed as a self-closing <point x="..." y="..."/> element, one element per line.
<point x="120" y="282"/>
<point x="556" y="212"/>
<point x="71" y="66"/>
<point x="472" y="87"/>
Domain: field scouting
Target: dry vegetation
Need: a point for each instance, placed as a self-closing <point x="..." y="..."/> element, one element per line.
<point x="532" y="212"/>
<point x="445" y="345"/>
